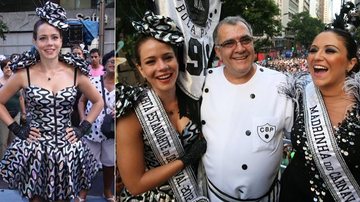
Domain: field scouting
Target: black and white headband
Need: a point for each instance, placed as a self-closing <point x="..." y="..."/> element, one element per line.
<point x="53" y="14"/>
<point x="161" y="27"/>
<point x="348" y="19"/>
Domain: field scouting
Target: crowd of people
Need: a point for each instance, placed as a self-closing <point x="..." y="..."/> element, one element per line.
<point x="291" y="65"/>
<point x="226" y="146"/>
<point x="316" y="106"/>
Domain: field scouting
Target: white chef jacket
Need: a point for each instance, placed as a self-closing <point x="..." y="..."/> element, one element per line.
<point x="244" y="126"/>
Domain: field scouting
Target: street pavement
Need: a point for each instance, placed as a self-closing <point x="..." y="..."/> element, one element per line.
<point x="94" y="195"/>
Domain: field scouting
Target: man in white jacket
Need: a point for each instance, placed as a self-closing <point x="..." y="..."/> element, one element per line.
<point x="244" y="119"/>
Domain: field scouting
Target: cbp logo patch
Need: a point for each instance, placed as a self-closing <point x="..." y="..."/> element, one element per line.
<point x="266" y="132"/>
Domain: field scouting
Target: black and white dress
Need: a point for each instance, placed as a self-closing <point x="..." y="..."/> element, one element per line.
<point x="127" y="97"/>
<point x="301" y="180"/>
<point x="51" y="167"/>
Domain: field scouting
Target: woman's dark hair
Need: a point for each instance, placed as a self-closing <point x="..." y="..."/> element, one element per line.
<point x="142" y="39"/>
<point x="107" y="56"/>
<point x="187" y="106"/>
<point x="37" y="25"/>
<point x="350" y="45"/>
<point x="76" y="46"/>
<point x="3" y="63"/>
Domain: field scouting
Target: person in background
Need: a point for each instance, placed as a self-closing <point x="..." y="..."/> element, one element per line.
<point x="101" y="146"/>
<point x="75" y="117"/>
<point x="96" y="69"/>
<point x="77" y="50"/>
<point x="244" y="119"/>
<point x="158" y="143"/>
<point x="15" y="106"/>
<point x="47" y="161"/>
<point x="325" y="136"/>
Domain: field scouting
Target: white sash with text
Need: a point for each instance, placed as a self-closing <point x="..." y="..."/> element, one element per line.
<point x="166" y="145"/>
<point x="324" y="148"/>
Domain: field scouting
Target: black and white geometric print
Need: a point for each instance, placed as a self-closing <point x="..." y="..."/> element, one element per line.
<point x="126" y="98"/>
<point x="51" y="167"/>
<point x="161" y="27"/>
<point x="76" y="62"/>
<point x="20" y="61"/>
<point x="29" y="58"/>
<point x="53" y="14"/>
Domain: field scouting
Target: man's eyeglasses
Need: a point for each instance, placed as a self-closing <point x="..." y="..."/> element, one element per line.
<point x="231" y="43"/>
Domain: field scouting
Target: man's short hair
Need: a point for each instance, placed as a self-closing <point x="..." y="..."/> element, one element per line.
<point x="94" y="50"/>
<point x="230" y="20"/>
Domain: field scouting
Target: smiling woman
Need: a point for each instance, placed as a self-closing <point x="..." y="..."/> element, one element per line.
<point x="326" y="165"/>
<point x="158" y="134"/>
<point x="46" y="161"/>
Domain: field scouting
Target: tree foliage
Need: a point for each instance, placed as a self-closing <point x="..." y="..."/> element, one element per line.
<point x="261" y="14"/>
<point x="3" y="28"/>
<point x="305" y="28"/>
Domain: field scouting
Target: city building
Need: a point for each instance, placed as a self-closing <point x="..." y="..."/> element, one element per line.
<point x="20" y="17"/>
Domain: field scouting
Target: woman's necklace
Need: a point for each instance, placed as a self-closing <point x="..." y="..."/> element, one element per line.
<point x="49" y="77"/>
<point x="171" y="112"/>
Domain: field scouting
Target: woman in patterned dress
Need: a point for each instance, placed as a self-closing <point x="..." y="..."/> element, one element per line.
<point x="102" y="146"/>
<point x="144" y="177"/>
<point x="333" y="66"/>
<point x="46" y="162"/>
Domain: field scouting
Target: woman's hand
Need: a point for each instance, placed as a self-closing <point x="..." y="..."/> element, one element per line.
<point x="73" y="134"/>
<point x="24" y="132"/>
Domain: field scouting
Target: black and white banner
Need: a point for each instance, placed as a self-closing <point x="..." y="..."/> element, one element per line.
<point x="166" y="145"/>
<point x="323" y="146"/>
<point x="197" y="20"/>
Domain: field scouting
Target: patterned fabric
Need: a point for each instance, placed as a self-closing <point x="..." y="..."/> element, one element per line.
<point x="51" y="167"/>
<point x="29" y="58"/>
<point x="126" y="98"/>
<point x="161" y="27"/>
<point x="163" y="192"/>
<point x="305" y="178"/>
<point x="75" y="62"/>
<point x="96" y="135"/>
<point x="20" y="61"/>
<point x="53" y="14"/>
<point x="301" y="180"/>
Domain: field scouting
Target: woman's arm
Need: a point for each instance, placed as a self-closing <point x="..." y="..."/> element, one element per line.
<point x="22" y="106"/>
<point x="81" y="107"/>
<point x="12" y="86"/>
<point x="130" y="158"/>
<point x="90" y="93"/>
